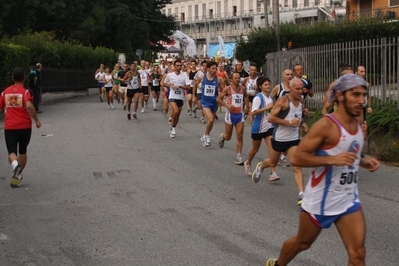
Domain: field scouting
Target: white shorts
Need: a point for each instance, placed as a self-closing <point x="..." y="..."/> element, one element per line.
<point x="122" y="89"/>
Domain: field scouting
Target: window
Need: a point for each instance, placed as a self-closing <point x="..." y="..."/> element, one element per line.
<point x="218" y="9"/>
<point x="394" y="3"/>
<point x="294" y="3"/>
<point x="196" y="12"/>
<point x="306" y="3"/>
<point x="182" y="17"/>
<point x="234" y="11"/>
<point x="203" y="10"/>
<point x="169" y="11"/>
<point x="176" y="11"/>
<point x="211" y="13"/>
<point x="190" y="13"/>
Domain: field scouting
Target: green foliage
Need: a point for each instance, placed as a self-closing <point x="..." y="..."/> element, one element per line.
<point x="314" y="117"/>
<point x="121" y="25"/>
<point x="385" y="118"/>
<point x="50" y="52"/>
<point x="262" y="41"/>
<point x="11" y="56"/>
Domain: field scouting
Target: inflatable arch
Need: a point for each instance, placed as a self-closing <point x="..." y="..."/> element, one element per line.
<point x="186" y="41"/>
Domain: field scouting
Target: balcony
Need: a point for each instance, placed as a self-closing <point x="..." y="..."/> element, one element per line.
<point x="389" y="13"/>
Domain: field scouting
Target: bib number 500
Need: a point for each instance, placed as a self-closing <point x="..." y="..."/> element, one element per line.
<point x="348" y="178"/>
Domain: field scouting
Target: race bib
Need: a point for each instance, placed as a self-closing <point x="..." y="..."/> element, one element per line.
<point x="237" y="100"/>
<point x="209" y="90"/>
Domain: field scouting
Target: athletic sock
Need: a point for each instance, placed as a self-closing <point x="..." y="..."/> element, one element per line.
<point x="154" y="102"/>
<point x="14" y="164"/>
<point x="282" y="157"/>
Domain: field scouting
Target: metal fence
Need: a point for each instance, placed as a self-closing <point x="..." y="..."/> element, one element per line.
<point x="380" y="57"/>
<point x="62" y="80"/>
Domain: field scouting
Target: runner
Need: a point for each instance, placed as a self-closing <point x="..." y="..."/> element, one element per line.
<point x="286" y="117"/>
<point x="198" y="92"/>
<point x="107" y="80"/>
<point x="332" y="194"/>
<point x="117" y="69"/>
<point x="122" y="85"/>
<point x="251" y="87"/>
<point x="144" y="82"/>
<point x="189" y="93"/>
<point x="156" y="77"/>
<point x="261" y="128"/>
<point x="236" y="103"/>
<point x="177" y="82"/>
<point x="99" y="76"/>
<point x="17" y="105"/>
<point x="132" y="78"/>
<point x="210" y="87"/>
<point x="280" y="90"/>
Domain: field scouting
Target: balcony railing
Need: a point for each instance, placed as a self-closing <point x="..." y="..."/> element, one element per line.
<point x="383" y="13"/>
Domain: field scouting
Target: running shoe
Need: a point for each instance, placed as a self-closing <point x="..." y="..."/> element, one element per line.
<point x="271" y="262"/>
<point x="195" y="114"/>
<point x="155" y="109"/>
<point x="216" y="117"/>
<point x="142" y="110"/>
<point x="129" y="116"/>
<point x="112" y="107"/>
<point x="221" y="140"/>
<point x="203" y="140"/>
<point x="300" y="198"/>
<point x="194" y="108"/>
<point x="172" y="132"/>
<point x="190" y="112"/>
<point x="135" y="116"/>
<point x="109" y="107"/>
<point x="203" y="120"/>
<point x="208" y="141"/>
<point x="119" y="100"/>
<point x="124" y="107"/>
<point x="247" y="168"/>
<point x="16" y="177"/>
<point x="257" y="173"/>
<point x="283" y="163"/>
<point x="274" y="177"/>
<point x="239" y="160"/>
<point x="101" y="99"/>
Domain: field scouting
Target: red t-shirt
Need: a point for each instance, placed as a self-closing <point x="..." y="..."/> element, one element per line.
<point x="13" y="100"/>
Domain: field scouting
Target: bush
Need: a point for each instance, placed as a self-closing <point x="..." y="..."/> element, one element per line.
<point x="44" y="48"/>
<point x="12" y="56"/>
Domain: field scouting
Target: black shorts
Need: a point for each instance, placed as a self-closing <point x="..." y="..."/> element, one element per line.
<point x="108" y="89"/>
<point x="156" y="88"/>
<point x="251" y="98"/>
<point x="262" y="135"/>
<point x="144" y="90"/>
<point x="178" y="102"/>
<point x="283" y="146"/>
<point x="187" y="92"/>
<point x="130" y="93"/>
<point x="17" y="139"/>
<point x="199" y="96"/>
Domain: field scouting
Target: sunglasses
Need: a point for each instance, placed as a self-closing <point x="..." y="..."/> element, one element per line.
<point x="178" y="65"/>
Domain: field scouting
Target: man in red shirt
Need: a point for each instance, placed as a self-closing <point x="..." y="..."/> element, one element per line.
<point x="17" y="104"/>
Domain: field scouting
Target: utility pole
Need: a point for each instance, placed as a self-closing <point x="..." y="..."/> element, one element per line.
<point x="276" y="21"/>
<point x="266" y="15"/>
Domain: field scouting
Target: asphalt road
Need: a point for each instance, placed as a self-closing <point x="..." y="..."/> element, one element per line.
<point x="101" y="190"/>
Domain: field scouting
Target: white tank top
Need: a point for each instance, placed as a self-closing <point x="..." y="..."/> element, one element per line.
<point x="288" y="133"/>
<point x="250" y="86"/>
<point x="331" y="190"/>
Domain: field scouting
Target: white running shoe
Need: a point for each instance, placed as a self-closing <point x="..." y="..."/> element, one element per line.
<point x="172" y="132"/>
<point x="247" y="168"/>
<point x="203" y="140"/>
<point x="239" y="160"/>
<point x="257" y="173"/>
<point x="208" y="141"/>
<point x="112" y="107"/>
<point x="142" y="110"/>
<point x="274" y="177"/>
<point x="221" y="140"/>
<point x="109" y="107"/>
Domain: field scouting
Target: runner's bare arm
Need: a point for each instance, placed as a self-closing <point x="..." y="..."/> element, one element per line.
<point x="319" y="137"/>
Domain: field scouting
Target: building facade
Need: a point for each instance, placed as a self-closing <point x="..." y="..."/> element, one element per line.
<point x="388" y="9"/>
<point x="205" y="20"/>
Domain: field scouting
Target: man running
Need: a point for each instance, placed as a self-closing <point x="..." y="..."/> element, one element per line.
<point x="178" y="82"/>
<point x="197" y="92"/>
<point x="132" y="78"/>
<point x="286" y="117"/>
<point x="251" y="87"/>
<point x="211" y="84"/>
<point x="236" y="103"/>
<point x="332" y="194"/>
<point x="280" y="90"/>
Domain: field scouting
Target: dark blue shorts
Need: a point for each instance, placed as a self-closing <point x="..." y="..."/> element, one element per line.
<point x="213" y="106"/>
<point x="179" y="103"/>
